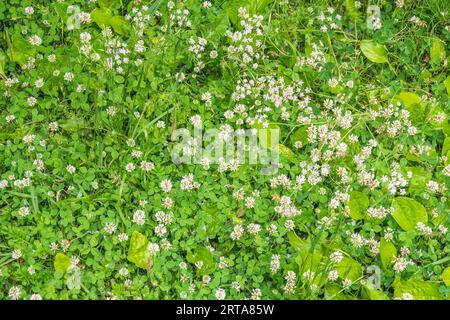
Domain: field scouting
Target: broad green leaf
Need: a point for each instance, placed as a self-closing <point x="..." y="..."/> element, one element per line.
<point x="301" y="134"/>
<point x="294" y="240"/>
<point x="437" y="51"/>
<point x="62" y="262"/>
<point x="309" y="258"/>
<point x="447" y="84"/>
<point x="374" y="52"/>
<point x="409" y="99"/>
<point x="20" y="50"/>
<point x="446" y="276"/>
<point x="408" y="212"/>
<point x="348" y="268"/>
<point x="358" y="204"/>
<point x="419" y="179"/>
<point x="106" y="3"/>
<point x="285" y="152"/>
<point x="73" y="124"/>
<point x="334" y="292"/>
<point x="374" y="294"/>
<point x="425" y="75"/>
<point x="446" y="146"/>
<point x="268" y="137"/>
<point x="138" y="251"/>
<point x="101" y="16"/>
<point x="119" y="24"/>
<point x="431" y="157"/>
<point x="387" y="253"/>
<point x="202" y="254"/>
<point x="420" y="290"/>
<point x="2" y="63"/>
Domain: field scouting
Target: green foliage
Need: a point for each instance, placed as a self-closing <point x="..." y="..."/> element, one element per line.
<point x="374" y="52"/>
<point x="358" y="204"/>
<point x="62" y="262"/>
<point x="138" y="251"/>
<point x="408" y="212"/>
<point x="387" y="253"/>
<point x="420" y="290"/>
<point x="95" y="203"/>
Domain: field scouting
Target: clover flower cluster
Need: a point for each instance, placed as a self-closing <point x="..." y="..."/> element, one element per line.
<point x="246" y="46"/>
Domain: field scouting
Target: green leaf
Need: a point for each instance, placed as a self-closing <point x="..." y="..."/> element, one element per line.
<point x="266" y="135"/>
<point x="447" y="84"/>
<point x="2" y="63"/>
<point x="106" y="3"/>
<point x="257" y="6"/>
<point x="73" y="124"/>
<point x="62" y="262"/>
<point x="309" y="257"/>
<point x="374" y="52"/>
<point x="294" y="240"/>
<point x="348" y="268"/>
<point x="101" y="17"/>
<point x="446" y="276"/>
<point x="20" y="50"/>
<point x="285" y="152"/>
<point x="437" y="51"/>
<point x="374" y="294"/>
<point x="387" y="253"/>
<point x="231" y="9"/>
<point x="412" y="102"/>
<point x="420" y="290"/>
<point x="408" y="212"/>
<point x="358" y="204"/>
<point x="202" y="254"/>
<point x="301" y="134"/>
<point x="334" y="292"/>
<point x="419" y="179"/>
<point x="138" y="251"/>
<point x="119" y="24"/>
<point x="446" y="146"/>
<point x="353" y="12"/>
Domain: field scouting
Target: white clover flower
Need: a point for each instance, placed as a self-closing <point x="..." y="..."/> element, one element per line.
<point x="166" y="185"/>
<point x="110" y="227"/>
<point x="36" y="296"/>
<point x="129" y="167"/>
<point x="68" y="76"/>
<point x="14" y="293"/>
<point x="220" y="294"/>
<point x="29" y="10"/>
<point x="153" y="248"/>
<point x="24" y="211"/>
<point x="122" y="237"/>
<point x="35" y="40"/>
<point x="71" y="169"/>
<point x="16" y="254"/>
<point x="139" y="217"/>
